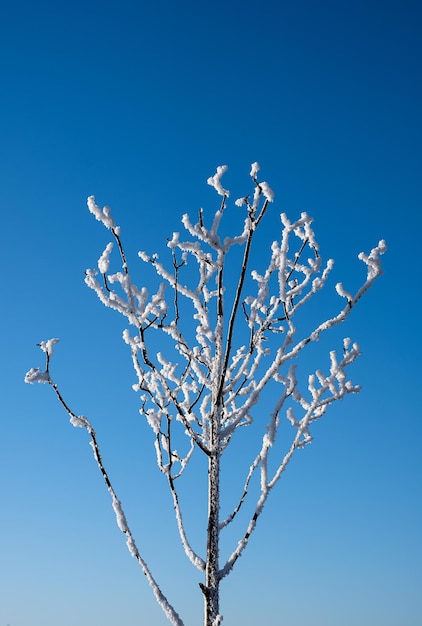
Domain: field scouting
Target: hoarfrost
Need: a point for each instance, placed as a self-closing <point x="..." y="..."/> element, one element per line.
<point x="207" y="388"/>
<point x="120" y="516"/>
<point x="47" y="346"/>
<point x="254" y="169"/>
<point x="79" y="421"/>
<point x="103" y="215"/>
<point x="267" y="191"/>
<point x="104" y="260"/>
<point x="35" y="375"/>
<point x="215" y="181"/>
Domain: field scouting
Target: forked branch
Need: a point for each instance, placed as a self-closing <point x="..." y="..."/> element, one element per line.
<point x="232" y="347"/>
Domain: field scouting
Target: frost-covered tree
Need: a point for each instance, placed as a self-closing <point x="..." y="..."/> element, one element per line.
<point x="233" y="337"/>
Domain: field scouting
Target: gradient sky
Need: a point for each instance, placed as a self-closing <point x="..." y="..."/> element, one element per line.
<point x="137" y="103"/>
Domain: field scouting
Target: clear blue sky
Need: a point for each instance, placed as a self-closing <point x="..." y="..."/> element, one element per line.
<point x="137" y="103"/>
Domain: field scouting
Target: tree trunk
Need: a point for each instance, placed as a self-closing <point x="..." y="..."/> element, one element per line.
<point x="212" y="581"/>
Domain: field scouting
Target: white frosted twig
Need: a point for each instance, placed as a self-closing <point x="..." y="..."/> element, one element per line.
<point x="215" y="181"/>
<point x="211" y="393"/>
<point x="102" y="215"/>
<point x="314" y="411"/>
<point x="81" y="421"/>
<point x="194" y="558"/>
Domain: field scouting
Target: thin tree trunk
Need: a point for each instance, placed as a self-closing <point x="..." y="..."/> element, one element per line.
<point x="212" y="581"/>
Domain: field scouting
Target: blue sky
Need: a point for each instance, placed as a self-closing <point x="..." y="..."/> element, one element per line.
<point x="137" y="103"/>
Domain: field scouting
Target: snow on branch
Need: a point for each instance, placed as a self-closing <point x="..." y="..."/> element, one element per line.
<point x="81" y="421"/>
<point x="226" y="332"/>
<point x="234" y="376"/>
<point x="215" y="181"/>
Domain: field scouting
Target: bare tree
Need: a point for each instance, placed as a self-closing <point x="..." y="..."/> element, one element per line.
<point x="238" y="345"/>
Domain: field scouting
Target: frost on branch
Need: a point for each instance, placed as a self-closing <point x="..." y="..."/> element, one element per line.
<point x="102" y="215"/>
<point x="222" y="343"/>
<point x="35" y="375"/>
<point x="47" y="346"/>
<point x="215" y="181"/>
